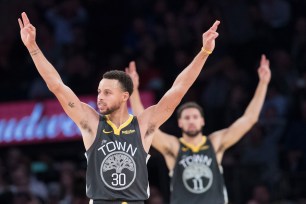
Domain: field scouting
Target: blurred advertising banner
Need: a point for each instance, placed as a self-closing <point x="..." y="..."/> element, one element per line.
<point x="36" y="122"/>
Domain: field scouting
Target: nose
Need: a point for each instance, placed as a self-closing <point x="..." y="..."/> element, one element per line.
<point x="191" y="121"/>
<point x="99" y="98"/>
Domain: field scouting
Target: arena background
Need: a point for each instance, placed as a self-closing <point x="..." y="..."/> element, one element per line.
<point x="42" y="156"/>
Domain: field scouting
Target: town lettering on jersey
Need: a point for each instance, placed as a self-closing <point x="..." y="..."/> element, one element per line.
<point x="121" y="146"/>
<point x="196" y="158"/>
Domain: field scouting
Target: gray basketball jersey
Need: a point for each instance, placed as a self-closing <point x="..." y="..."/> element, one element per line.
<point x="116" y="163"/>
<point x="196" y="175"/>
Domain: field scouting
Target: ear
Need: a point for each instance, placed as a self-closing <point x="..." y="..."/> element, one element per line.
<point x="203" y="122"/>
<point x="125" y="96"/>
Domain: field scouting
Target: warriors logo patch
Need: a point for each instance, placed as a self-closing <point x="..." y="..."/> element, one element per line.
<point x="118" y="170"/>
<point x="197" y="178"/>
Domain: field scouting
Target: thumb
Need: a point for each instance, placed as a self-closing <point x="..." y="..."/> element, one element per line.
<point x="127" y="70"/>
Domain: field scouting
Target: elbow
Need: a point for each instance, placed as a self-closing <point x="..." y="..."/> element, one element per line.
<point x="180" y="92"/>
<point x="54" y="87"/>
<point x="253" y="119"/>
<point x="179" y="95"/>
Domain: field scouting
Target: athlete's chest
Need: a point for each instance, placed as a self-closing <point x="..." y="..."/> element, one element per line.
<point x="109" y="145"/>
<point x="122" y="139"/>
<point x="189" y="158"/>
<point x="195" y="169"/>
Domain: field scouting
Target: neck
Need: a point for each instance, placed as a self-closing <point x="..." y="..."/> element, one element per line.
<point x="119" y="116"/>
<point x="193" y="140"/>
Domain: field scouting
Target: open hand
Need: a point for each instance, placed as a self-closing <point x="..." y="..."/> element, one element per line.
<point x="27" y="31"/>
<point x="264" y="71"/>
<point x="210" y="36"/>
<point x="131" y="71"/>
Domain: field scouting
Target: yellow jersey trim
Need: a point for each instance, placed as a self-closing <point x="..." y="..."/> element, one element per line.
<point x="195" y="148"/>
<point x="117" y="130"/>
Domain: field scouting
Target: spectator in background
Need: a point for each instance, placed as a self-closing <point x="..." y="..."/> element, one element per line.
<point x="24" y="183"/>
<point x="219" y="81"/>
<point x="298" y="44"/>
<point x="6" y="194"/>
<point x="277" y="15"/>
<point x="65" y="17"/>
<point x="260" y="152"/>
<point x="260" y="195"/>
<point x="275" y="12"/>
<point x="296" y="140"/>
<point x="285" y="72"/>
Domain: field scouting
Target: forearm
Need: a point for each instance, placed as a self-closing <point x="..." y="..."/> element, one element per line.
<point x="254" y="108"/>
<point x="44" y="67"/>
<point x="136" y="103"/>
<point x="187" y="77"/>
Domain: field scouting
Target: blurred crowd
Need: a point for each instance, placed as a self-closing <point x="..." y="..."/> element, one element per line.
<point x="83" y="39"/>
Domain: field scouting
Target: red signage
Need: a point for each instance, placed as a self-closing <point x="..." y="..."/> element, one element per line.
<point x="36" y="122"/>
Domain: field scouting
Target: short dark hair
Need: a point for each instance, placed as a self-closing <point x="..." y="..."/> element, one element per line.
<point x="124" y="79"/>
<point x="189" y="105"/>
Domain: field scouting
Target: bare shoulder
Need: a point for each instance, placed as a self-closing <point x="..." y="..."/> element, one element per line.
<point x="89" y="108"/>
<point x="146" y="124"/>
<point x="216" y="139"/>
<point x="171" y="138"/>
<point x="166" y="144"/>
<point x="217" y="134"/>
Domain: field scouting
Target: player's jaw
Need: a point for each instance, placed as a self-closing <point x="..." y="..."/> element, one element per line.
<point x="105" y="109"/>
<point x="192" y="131"/>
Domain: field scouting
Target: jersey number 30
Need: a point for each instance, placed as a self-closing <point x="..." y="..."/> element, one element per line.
<point x="119" y="179"/>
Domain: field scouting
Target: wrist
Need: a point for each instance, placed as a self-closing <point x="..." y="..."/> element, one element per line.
<point x="32" y="47"/>
<point x="205" y="51"/>
<point x="33" y="50"/>
<point x="263" y="82"/>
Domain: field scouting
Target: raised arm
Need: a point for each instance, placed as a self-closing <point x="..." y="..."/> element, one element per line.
<point x="166" y="144"/>
<point x="83" y="115"/>
<point x="225" y="138"/>
<point x="156" y="115"/>
<point x="135" y="100"/>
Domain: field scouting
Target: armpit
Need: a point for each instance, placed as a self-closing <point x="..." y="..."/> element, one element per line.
<point x="150" y="130"/>
<point x="85" y="126"/>
<point x="170" y="153"/>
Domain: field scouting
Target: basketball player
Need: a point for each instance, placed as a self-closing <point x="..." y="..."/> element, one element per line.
<point x="194" y="160"/>
<point x="116" y="143"/>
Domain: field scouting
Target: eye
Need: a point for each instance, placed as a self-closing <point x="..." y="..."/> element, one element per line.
<point x="107" y="92"/>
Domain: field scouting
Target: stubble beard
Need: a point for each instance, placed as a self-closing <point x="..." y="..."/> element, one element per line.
<point x="192" y="133"/>
<point x="110" y="110"/>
